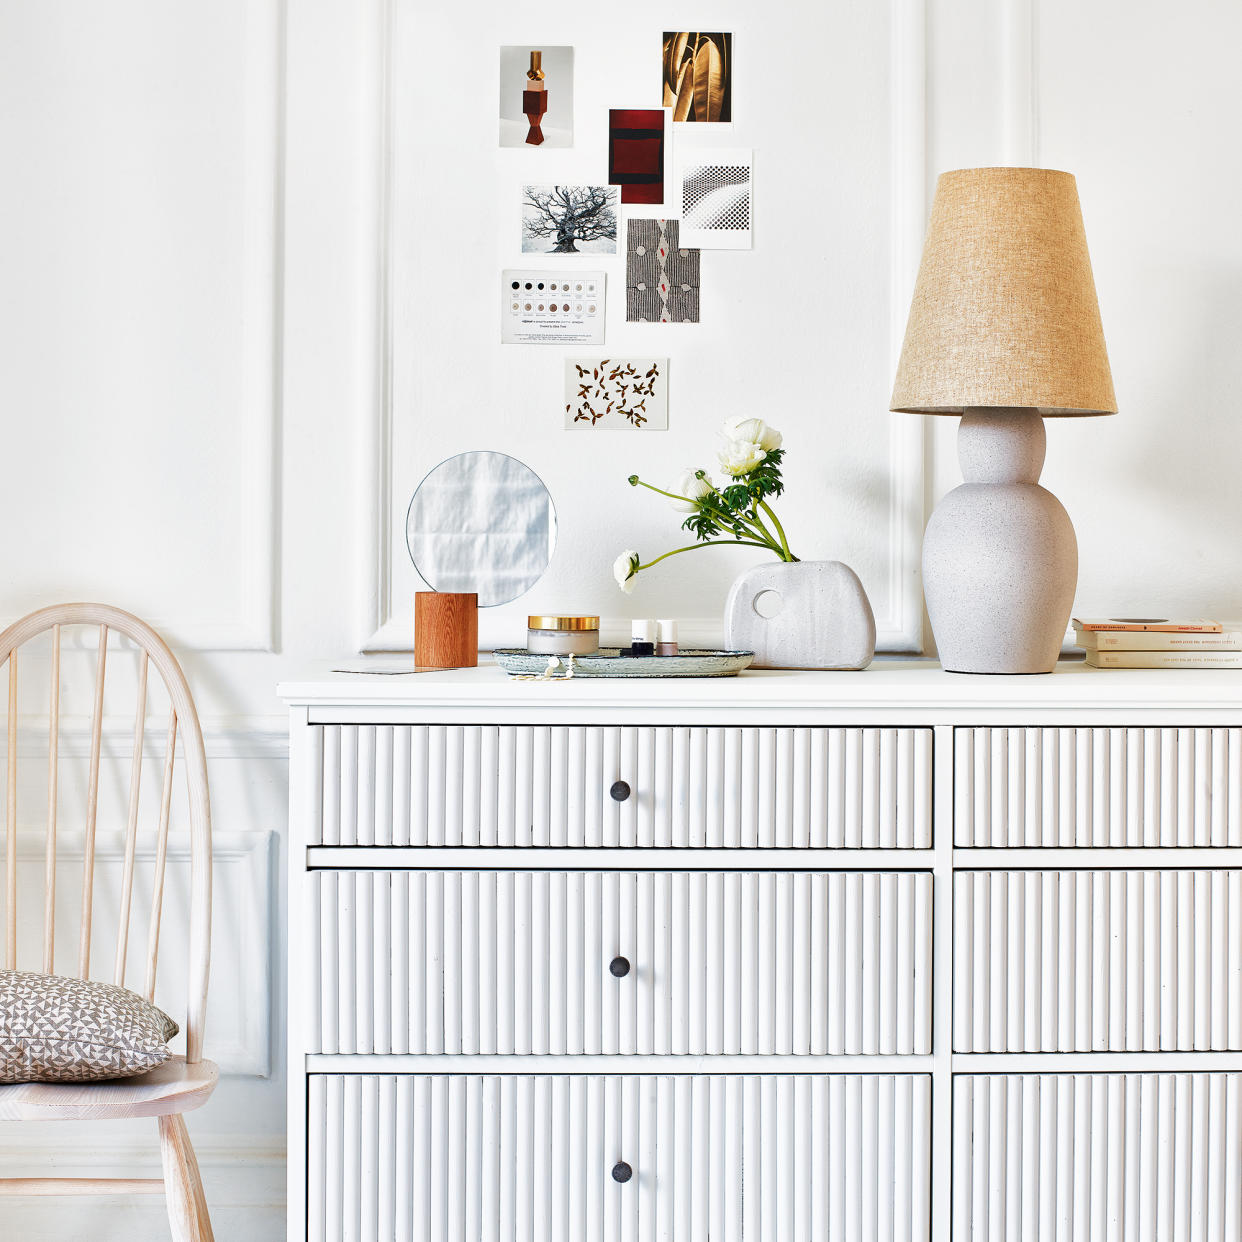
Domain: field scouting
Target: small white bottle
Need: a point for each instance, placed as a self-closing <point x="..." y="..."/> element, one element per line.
<point x="666" y="637"/>
<point x="642" y="638"/>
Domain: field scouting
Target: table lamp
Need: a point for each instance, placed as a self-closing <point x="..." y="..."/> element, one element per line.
<point x="1004" y="330"/>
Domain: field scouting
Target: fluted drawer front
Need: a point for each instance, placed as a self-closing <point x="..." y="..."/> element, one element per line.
<point x="506" y="785"/>
<point x="623" y="962"/>
<point x="1065" y="786"/>
<point x="710" y="1158"/>
<point x="1097" y="1157"/>
<point x="1124" y="961"/>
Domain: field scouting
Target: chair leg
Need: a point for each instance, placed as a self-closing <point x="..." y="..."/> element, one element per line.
<point x="183" y="1187"/>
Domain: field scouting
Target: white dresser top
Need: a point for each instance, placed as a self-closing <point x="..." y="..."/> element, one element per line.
<point x="918" y="688"/>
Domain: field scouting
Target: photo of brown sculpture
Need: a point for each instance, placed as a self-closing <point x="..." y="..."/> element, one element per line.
<point x="536" y="96"/>
<point x="698" y="76"/>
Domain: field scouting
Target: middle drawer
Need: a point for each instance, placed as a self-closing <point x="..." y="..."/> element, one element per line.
<point x="643" y="962"/>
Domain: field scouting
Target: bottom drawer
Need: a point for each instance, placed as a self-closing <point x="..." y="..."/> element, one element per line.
<point x="1097" y="1157"/>
<point x="619" y="1158"/>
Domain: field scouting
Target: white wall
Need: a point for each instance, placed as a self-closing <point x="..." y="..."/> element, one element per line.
<point x="219" y="388"/>
<point x="801" y="330"/>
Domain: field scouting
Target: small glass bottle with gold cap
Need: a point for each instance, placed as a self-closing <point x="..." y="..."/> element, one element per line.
<point x="561" y="634"/>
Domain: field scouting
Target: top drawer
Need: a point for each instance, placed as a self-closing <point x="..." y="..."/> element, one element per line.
<point x="1097" y="787"/>
<point x="524" y="785"/>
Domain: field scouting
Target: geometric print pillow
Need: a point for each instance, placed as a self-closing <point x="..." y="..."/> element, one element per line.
<point x="57" y="1029"/>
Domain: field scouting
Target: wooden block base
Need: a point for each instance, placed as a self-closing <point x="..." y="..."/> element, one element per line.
<point x="446" y="629"/>
<point x="535" y="106"/>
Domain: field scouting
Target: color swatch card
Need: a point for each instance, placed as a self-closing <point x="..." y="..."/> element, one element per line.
<point x="714" y="194"/>
<point x="551" y="308"/>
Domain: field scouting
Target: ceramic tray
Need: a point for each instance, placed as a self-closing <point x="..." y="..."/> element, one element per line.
<point x="608" y="662"/>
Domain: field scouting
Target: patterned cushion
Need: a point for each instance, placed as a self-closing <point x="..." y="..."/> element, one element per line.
<point x="57" y="1029"/>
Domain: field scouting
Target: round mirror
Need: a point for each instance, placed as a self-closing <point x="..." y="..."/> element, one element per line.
<point x="481" y="522"/>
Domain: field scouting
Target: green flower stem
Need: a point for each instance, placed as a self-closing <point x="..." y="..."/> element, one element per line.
<point x="729" y="519"/>
<point x="756" y="524"/>
<point x="780" y="530"/>
<point x="777" y="546"/>
<point x="692" y="547"/>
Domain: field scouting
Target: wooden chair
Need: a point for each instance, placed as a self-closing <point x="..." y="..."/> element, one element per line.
<point x="183" y="1083"/>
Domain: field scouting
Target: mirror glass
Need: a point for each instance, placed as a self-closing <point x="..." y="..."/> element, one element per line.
<point x="481" y="522"/>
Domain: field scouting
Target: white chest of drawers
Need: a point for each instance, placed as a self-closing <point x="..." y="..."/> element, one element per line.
<point x="787" y="958"/>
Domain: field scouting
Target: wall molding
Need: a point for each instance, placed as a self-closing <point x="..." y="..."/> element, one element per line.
<point x="224" y="737"/>
<point x="254" y="626"/>
<point x="255" y="629"/>
<point x="375" y="482"/>
<point x="898" y="630"/>
<point x="244" y="1176"/>
<point x="244" y="857"/>
<point x="902" y="630"/>
<point x="74" y="1151"/>
<point x="1019" y="58"/>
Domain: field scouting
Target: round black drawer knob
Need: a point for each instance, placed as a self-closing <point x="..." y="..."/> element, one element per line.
<point x="619" y="967"/>
<point x="620" y="791"/>
<point x="621" y="1172"/>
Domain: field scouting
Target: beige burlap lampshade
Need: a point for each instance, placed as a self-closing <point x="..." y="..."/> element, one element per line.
<point x="1004" y="312"/>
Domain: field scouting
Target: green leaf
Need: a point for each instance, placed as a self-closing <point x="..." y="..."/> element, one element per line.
<point x="702" y="525"/>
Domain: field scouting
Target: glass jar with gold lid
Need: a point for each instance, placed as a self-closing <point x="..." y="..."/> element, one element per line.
<point x="562" y="634"/>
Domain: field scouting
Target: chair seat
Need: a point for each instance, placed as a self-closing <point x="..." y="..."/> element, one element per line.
<point x="173" y="1087"/>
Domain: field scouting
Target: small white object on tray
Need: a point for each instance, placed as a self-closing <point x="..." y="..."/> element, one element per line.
<point x="610" y="663"/>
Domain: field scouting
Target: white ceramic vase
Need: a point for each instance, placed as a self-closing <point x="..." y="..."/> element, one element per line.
<point x="801" y="614"/>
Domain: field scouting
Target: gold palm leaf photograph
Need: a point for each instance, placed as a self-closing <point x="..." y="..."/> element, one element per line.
<point x="698" y="76"/>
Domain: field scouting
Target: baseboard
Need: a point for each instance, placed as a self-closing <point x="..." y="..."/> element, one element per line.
<point x="248" y="1171"/>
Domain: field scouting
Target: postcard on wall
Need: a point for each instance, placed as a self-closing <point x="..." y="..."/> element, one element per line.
<point x="637" y="153"/>
<point x="714" y="191"/>
<point x="569" y="219"/>
<point x="698" y="76"/>
<point x="551" y="308"/>
<point x="661" y="275"/>
<point x="616" y="394"/>
<point x="536" y="96"/>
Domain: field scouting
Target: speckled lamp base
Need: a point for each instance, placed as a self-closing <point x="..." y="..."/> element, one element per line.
<point x="1000" y="561"/>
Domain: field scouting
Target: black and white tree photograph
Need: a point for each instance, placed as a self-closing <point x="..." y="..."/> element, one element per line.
<point x="569" y="219"/>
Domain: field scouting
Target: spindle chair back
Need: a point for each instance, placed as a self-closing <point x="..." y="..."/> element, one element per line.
<point x="171" y="1090"/>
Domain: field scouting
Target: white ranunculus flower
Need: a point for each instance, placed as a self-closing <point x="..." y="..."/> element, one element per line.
<point x="689" y="485"/>
<point x="752" y="431"/>
<point x="624" y="568"/>
<point x="739" y="457"/>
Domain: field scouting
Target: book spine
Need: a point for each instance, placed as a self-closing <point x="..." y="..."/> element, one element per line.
<point x="1149" y="627"/>
<point x="1164" y="659"/>
<point x="1118" y="640"/>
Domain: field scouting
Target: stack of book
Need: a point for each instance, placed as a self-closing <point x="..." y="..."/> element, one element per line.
<point x="1150" y="642"/>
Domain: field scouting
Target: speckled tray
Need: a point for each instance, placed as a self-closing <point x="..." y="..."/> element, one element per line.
<point x="608" y="662"/>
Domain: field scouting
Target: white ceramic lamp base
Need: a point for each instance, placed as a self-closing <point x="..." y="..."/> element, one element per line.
<point x="1000" y="561"/>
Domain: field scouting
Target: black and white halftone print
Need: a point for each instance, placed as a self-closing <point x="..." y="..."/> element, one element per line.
<point x="717" y="196"/>
<point x="716" y="200"/>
